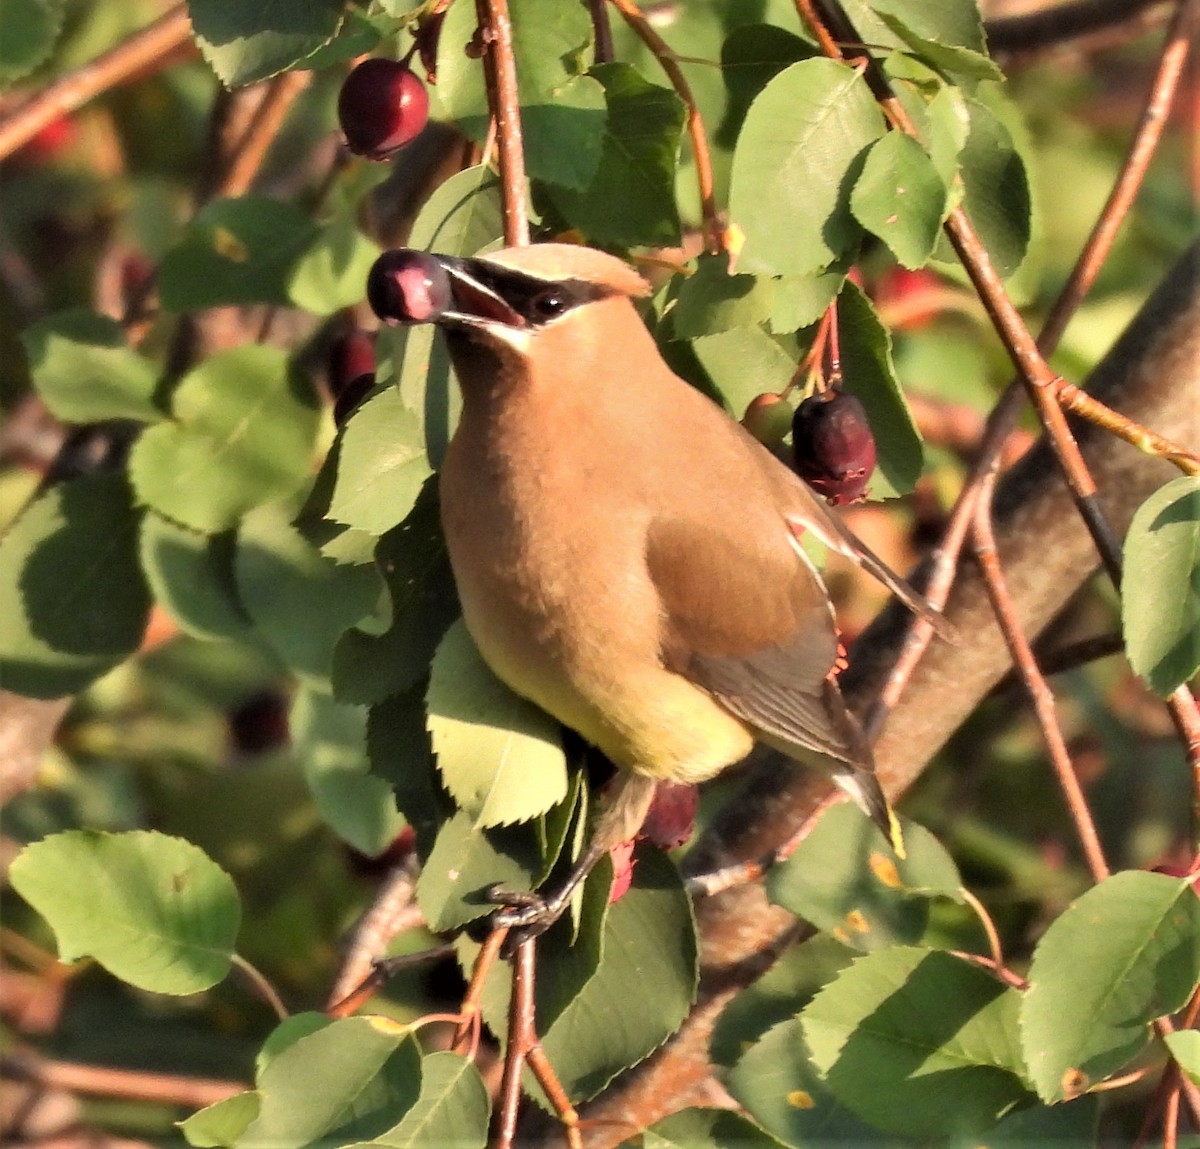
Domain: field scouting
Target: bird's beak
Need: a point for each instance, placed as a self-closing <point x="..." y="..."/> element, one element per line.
<point x="475" y="300"/>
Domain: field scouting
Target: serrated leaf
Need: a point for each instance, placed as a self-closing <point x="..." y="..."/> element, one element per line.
<point x="297" y="600"/>
<point x="996" y="189"/>
<point x="1160" y="589"/>
<point x="344" y="1082"/>
<point x="869" y="374"/>
<point x="235" y="251"/>
<point x="775" y="1082"/>
<point x="918" y="1043"/>
<point x="499" y="755"/>
<point x="937" y="49"/>
<point x="452" y="1109"/>
<point x="30" y="29"/>
<point x="743" y="363"/>
<point x="330" y="740"/>
<point x="801" y="300"/>
<point x="332" y="273"/>
<point x="792" y="166"/>
<point x="245" y="43"/>
<point x="86" y="372"/>
<point x="72" y="596"/>
<point x="712" y="300"/>
<point x="382" y="465"/>
<point x="243" y="434"/>
<point x="218" y="1126"/>
<point x="1120" y="956"/>
<point x="398" y="747"/>
<point x="642" y="989"/>
<point x="751" y="56"/>
<point x="562" y="111"/>
<point x="704" y="1129"/>
<point x="900" y="197"/>
<point x="191" y="575"/>
<point x="154" y="911"/>
<point x="368" y="666"/>
<point x="463" y="216"/>
<point x="631" y="198"/>
<point x="1071" y="1126"/>
<point x="946" y="22"/>
<point x="841" y="879"/>
<point x="466" y="860"/>
<point x="1184" y="1045"/>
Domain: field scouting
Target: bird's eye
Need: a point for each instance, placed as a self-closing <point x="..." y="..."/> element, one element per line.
<point x="549" y="304"/>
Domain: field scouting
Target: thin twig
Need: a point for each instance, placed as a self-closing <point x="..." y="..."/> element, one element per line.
<point x="601" y="31"/>
<point x="381" y="972"/>
<point x="247" y="159"/>
<point x="521" y="1037"/>
<point x="984" y="542"/>
<point x="150" y="49"/>
<point x="714" y="233"/>
<point x="989" y="926"/>
<point x="500" y="68"/>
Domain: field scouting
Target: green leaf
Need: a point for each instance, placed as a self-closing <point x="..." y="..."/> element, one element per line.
<point x="743" y="363"/>
<point x="466" y="860"/>
<point x="1160" y="590"/>
<point x="918" y="1043"/>
<point x="330" y="740"/>
<point x="30" y="28"/>
<point x="951" y="22"/>
<point x="642" y="989"/>
<point x="344" y="1082"/>
<point x="776" y="1083"/>
<point x="1071" y="1126"/>
<point x="298" y="600"/>
<point x="631" y="199"/>
<point x="499" y="755"/>
<point x="368" y="666"/>
<point x="842" y="880"/>
<point x="562" y="111"/>
<point x="398" y="747"/>
<point x="332" y="273"/>
<point x="152" y="910"/>
<point x="901" y="198"/>
<point x="191" y="575"/>
<point x="72" y="596"/>
<point x="463" y="216"/>
<point x="869" y="373"/>
<point x="712" y="300"/>
<point x="751" y="56"/>
<point x="996" y="189"/>
<point x="937" y="49"/>
<point x="1120" y="956"/>
<point x="452" y="1109"/>
<point x="244" y="43"/>
<point x="801" y="300"/>
<point x="1184" y="1046"/>
<point x="704" y="1129"/>
<point x="222" y="1123"/>
<point x="794" y="165"/>
<point x="245" y="422"/>
<point x="236" y="251"/>
<point x="382" y="465"/>
<point x="86" y="372"/>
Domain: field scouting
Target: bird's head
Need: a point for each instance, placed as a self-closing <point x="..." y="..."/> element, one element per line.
<point x="546" y="300"/>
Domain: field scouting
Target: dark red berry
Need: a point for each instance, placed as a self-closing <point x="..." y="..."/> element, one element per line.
<point x="832" y="446"/>
<point x="350" y="396"/>
<point x="382" y="106"/>
<point x="672" y="816"/>
<point x="351" y="372"/>
<point x="406" y="286"/>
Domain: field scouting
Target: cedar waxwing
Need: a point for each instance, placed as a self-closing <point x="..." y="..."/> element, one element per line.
<point x="628" y="556"/>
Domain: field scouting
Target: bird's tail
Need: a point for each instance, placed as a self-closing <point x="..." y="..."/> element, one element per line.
<point x="862" y="785"/>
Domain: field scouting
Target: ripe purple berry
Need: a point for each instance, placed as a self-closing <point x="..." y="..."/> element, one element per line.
<point x="351" y="372"/>
<point x="406" y="286"/>
<point x="382" y="106"/>
<point x="833" y="448"/>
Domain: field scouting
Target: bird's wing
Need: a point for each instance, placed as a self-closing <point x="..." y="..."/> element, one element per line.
<point x="770" y="669"/>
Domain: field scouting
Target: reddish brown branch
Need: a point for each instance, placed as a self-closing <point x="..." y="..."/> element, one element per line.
<point x="1034" y="30"/>
<point x="500" y="68"/>
<point x="251" y="149"/>
<point x="986" y="552"/>
<point x="150" y="49"/>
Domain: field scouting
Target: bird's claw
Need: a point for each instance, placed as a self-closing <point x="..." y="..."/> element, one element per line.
<point x="523" y="913"/>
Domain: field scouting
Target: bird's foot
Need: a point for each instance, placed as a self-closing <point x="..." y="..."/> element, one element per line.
<point x="524" y="914"/>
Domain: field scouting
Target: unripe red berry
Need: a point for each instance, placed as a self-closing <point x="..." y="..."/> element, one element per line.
<point x="833" y="448"/>
<point x="406" y="286"/>
<point x="768" y="418"/>
<point x="382" y="106"/>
